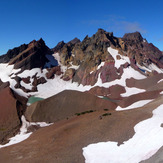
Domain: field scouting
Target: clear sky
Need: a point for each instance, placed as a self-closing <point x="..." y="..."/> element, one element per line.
<point x="22" y="21"/>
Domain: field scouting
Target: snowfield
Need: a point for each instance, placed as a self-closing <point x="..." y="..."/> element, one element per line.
<point x="148" y="139"/>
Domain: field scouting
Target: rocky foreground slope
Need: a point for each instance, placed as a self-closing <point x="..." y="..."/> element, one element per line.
<point x="101" y="89"/>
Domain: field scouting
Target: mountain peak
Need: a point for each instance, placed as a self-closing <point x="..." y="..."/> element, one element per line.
<point x="74" y="41"/>
<point x="135" y="36"/>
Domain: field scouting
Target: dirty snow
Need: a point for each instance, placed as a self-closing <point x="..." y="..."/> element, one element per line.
<point x="145" y="143"/>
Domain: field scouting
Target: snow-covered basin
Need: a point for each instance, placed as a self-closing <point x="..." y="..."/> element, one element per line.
<point x="23" y="135"/>
<point x="148" y="139"/>
<point x="57" y="85"/>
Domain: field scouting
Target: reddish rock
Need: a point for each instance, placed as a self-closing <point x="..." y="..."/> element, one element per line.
<point x="4" y="85"/>
<point x="100" y="91"/>
<point x="26" y="80"/>
<point x="109" y="73"/>
<point x="116" y="91"/>
<point x="149" y="95"/>
<point x="51" y="72"/>
<point x="38" y="81"/>
<point x="112" y="92"/>
<point x="9" y="121"/>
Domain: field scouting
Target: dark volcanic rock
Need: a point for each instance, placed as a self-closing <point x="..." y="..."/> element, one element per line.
<point x="64" y="105"/>
<point x="12" y="53"/>
<point x="28" y="56"/>
<point x="74" y="41"/>
<point x="58" y="46"/>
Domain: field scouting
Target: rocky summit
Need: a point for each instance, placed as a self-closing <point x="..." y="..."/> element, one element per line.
<point x="82" y="101"/>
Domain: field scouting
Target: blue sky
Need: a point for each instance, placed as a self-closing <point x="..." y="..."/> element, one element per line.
<point x="21" y="21"/>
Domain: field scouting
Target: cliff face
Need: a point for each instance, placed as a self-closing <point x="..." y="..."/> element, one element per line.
<point x="92" y="51"/>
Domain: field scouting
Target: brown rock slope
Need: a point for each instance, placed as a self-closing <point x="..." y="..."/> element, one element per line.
<point x="64" y="105"/>
<point x="148" y="83"/>
<point x="9" y="120"/>
<point x="63" y="141"/>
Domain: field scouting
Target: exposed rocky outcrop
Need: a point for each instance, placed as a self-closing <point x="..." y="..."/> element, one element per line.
<point x="51" y="72"/>
<point x="12" y="106"/>
<point x="68" y="75"/>
<point x="141" y="51"/>
<point x="112" y="92"/>
<point x="92" y="51"/>
<point x="58" y="47"/>
<point x="12" y="53"/>
<point x="28" y="56"/>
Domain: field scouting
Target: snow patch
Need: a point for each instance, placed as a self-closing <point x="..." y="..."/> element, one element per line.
<point x="100" y="65"/>
<point x="146" y="142"/>
<point x="23" y="135"/>
<point x="73" y="66"/>
<point x="134" y="105"/>
<point x="132" y="91"/>
<point x="123" y="59"/>
<point x="155" y="68"/>
<point x="160" y="81"/>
